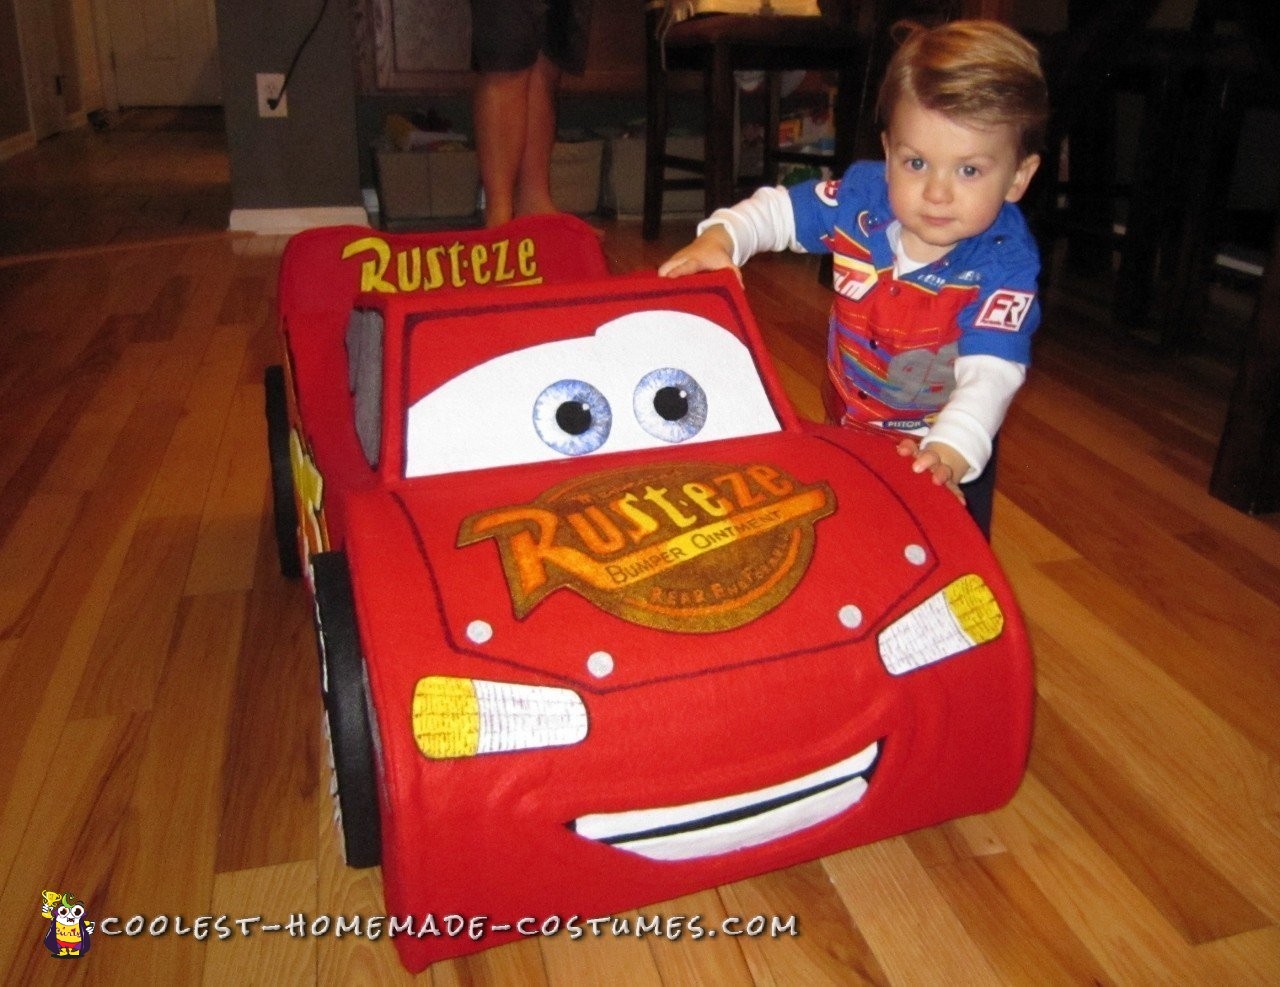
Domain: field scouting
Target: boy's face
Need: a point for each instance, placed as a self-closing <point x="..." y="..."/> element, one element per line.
<point x="948" y="180"/>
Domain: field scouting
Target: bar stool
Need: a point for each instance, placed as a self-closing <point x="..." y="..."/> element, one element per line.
<point x="1093" y="207"/>
<point x="717" y="46"/>
<point x="1236" y="82"/>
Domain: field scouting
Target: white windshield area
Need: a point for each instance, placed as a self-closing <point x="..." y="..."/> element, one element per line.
<point x="645" y="380"/>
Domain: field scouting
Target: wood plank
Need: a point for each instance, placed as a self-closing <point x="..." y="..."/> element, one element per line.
<point x="341" y="890"/>
<point x="275" y="893"/>
<point x="226" y="548"/>
<point x="806" y="397"/>
<point x="958" y="841"/>
<point x="73" y="841"/>
<point x="1108" y="522"/>
<point x="1222" y="534"/>
<point x="29" y="554"/>
<point x="158" y="322"/>
<point x="53" y="327"/>
<point x="274" y="755"/>
<point x="1185" y="760"/>
<point x="27" y="759"/>
<point x="1252" y="958"/>
<point x="618" y="956"/>
<point x="816" y="942"/>
<point x="135" y="276"/>
<point x="199" y="394"/>
<point x="81" y="457"/>
<point x="1019" y="531"/>
<point x="39" y="681"/>
<point x="888" y="892"/>
<point x="132" y="650"/>
<point x="47" y="412"/>
<point x="1014" y="923"/>
<point x="22" y="425"/>
<point x="170" y="833"/>
<point x="682" y="959"/>
<point x="248" y="299"/>
<point x="1243" y="692"/>
<point x="518" y="962"/>
<point x="1191" y="895"/>
<point x="1106" y="912"/>
<point x="133" y="644"/>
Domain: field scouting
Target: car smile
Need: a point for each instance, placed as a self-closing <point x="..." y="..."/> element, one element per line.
<point x="715" y="826"/>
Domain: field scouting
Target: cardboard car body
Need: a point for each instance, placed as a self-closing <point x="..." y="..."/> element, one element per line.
<point x="601" y="666"/>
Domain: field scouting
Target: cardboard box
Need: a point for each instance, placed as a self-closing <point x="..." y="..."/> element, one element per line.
<point x="427" y="184"/>
<point x="423" y="184"/>
<point x="626" y="177"/>
<point x="576" y="168"/>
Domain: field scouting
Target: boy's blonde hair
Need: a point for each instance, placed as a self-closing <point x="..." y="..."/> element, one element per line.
<point x="969" y="70"/>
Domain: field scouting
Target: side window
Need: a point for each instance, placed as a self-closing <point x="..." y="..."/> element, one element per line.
<point x="364" y="377"/>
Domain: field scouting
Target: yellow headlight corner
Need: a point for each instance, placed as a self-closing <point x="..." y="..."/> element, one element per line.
<point x="961" y="616"/>
<point x="455" y="717"/>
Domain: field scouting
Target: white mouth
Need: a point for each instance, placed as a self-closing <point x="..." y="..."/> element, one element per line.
<point x="704" y="829"/>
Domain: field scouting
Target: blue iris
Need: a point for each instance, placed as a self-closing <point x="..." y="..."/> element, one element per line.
<point x="670" y="404"/>
<point x="572" y="417"/>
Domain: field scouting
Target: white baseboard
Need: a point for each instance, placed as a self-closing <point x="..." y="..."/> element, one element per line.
<point x="276" y="222"/>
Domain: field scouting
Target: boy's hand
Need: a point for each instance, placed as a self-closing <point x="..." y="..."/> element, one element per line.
<point x="945" y="464"/>
<point x="711" y="251"/>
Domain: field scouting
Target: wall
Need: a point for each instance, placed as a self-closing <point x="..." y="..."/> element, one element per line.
<point x="307" y="159"/>
<point x="13" y="90"/>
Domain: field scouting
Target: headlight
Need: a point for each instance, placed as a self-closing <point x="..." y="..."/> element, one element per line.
<point x="455" y="717"/>
<point x="955" y="619"/>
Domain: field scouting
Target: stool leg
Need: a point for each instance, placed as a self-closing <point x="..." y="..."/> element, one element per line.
<point x="655" y="141"/>
<point x="772" y="121"/>
<point x="719" y="126"/>
<point x="1246" y="474"/>
<point x="1216" y="123"/>
<point x="846" y="114"/>
<point x="1150" y="205"/>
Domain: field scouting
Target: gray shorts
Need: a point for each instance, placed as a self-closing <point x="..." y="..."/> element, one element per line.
<point x="507" y="35"/>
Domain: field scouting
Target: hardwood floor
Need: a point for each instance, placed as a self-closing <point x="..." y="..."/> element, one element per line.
<point x="159" y="725"/>
<point x="146" y="174"/>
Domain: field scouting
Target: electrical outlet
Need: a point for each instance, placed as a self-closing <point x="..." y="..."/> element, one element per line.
<point x="269" y="86"/>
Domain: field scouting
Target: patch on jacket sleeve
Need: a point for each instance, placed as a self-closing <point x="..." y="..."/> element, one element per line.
<point x="1005" y="310"/>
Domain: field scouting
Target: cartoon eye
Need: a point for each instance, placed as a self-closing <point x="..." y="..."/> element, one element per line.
<point x="572" y="417"/>
<point x="670" y="405"/>
<point x="75" y="912"/>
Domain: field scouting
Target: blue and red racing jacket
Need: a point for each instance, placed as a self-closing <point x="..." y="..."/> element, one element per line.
<point x="893" y="341"/>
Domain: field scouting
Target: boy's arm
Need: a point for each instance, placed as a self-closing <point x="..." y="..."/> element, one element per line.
<point x="995" y="347"/>
<point x="730" y="236"/>
<point x="968" y="422"/>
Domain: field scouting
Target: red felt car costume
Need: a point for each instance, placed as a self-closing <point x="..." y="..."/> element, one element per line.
<point x="609" y="623"/>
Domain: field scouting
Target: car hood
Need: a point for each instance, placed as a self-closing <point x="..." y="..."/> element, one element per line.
<point x="612" y="571"/>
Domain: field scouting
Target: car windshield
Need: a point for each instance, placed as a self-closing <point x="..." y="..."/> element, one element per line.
<point x="642" y="379"/>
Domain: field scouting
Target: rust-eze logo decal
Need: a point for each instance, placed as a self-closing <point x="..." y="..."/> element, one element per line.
<point x="455" y="265"/>
<point x="682" y="547"/>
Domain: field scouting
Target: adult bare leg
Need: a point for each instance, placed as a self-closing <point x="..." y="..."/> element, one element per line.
<point x="533" y="186"/>
<point x="498" y="106"/>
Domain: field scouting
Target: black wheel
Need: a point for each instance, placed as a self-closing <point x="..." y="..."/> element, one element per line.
<point x="284" y="505"/>
<point x="348" y="717"/>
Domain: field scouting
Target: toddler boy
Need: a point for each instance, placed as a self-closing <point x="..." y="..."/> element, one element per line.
<point x="934" y="268"/>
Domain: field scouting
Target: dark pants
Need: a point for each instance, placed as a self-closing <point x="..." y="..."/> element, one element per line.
<point x="506" y="35"/>
<point x="980" y="492"/>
